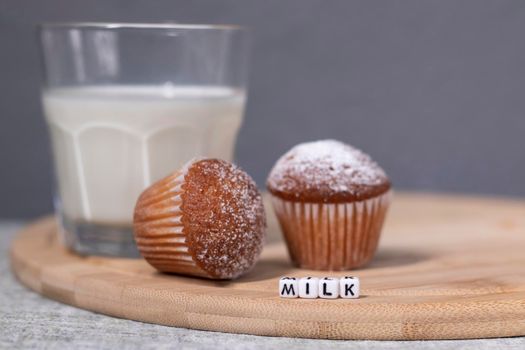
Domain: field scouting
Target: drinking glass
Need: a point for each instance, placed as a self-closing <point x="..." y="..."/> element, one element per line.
<point x="126" y="104"/>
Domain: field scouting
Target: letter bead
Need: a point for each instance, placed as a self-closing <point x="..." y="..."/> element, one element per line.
<point x="288" y="287"/>
<point x="349" y="287"/>
<point x="309" y="287"/>
<point x="329" y="288"/>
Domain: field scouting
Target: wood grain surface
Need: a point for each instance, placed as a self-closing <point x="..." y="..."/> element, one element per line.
<point x="448" y="267"/>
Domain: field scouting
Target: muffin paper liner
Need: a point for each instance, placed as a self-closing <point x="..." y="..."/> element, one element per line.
<point x="161" y="238"/>
<point x="327" y="236"/>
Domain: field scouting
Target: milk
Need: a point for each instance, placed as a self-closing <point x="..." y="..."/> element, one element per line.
<point x="111" y="142"/>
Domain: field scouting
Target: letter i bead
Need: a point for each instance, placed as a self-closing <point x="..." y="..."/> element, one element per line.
<point x="288" y="287"/>
<point x="309" y="287"/>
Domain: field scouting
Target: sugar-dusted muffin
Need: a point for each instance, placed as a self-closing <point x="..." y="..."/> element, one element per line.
<point x="206" y="220"/>
<point x="331" y="200"/>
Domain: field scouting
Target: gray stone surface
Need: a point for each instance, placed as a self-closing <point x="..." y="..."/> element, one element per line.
<point x="29" y="321"/>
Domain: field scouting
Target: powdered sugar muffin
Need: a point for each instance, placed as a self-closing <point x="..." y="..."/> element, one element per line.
<point x="206" y="219"/>
<point x="331" y="200"/>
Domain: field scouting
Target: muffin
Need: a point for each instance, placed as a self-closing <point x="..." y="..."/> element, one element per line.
<point x="206" y="220"/>
<point x="331" y="200"/>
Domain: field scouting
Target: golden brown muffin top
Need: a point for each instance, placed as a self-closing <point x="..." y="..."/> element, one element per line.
<point x="223" y="217"/>
<point x="326" y="171"/>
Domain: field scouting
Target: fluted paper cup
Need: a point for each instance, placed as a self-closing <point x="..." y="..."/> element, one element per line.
<point x="159" y="231"/>
<point x="328" y="236"/>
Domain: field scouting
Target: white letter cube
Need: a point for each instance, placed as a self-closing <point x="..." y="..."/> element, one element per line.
<point x="309" y="287"/>
<point x="349" y="287"/>
<point x="329" y="288"/>
<point x="288" y="287"/>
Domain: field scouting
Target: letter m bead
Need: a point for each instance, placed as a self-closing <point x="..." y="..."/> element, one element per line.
<point x="349" y="287"/>
<point x="288" y="287"/>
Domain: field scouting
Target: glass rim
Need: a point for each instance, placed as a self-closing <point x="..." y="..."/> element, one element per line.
<point x="138" y="25"/>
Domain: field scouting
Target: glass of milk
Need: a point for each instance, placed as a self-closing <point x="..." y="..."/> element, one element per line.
<point x="126" y="104"/>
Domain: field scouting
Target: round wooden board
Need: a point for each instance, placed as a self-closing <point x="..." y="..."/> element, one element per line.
<point x="448" y="267"/>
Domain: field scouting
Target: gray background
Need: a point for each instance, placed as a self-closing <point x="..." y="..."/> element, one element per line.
<point x="433" y="90"/>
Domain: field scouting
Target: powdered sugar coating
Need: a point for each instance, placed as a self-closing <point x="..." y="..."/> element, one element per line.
<point x="223" y="217"/>
<point x="326" y="171"/>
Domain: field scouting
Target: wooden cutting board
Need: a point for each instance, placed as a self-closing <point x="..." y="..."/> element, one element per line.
<point x="448" y="267"/>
